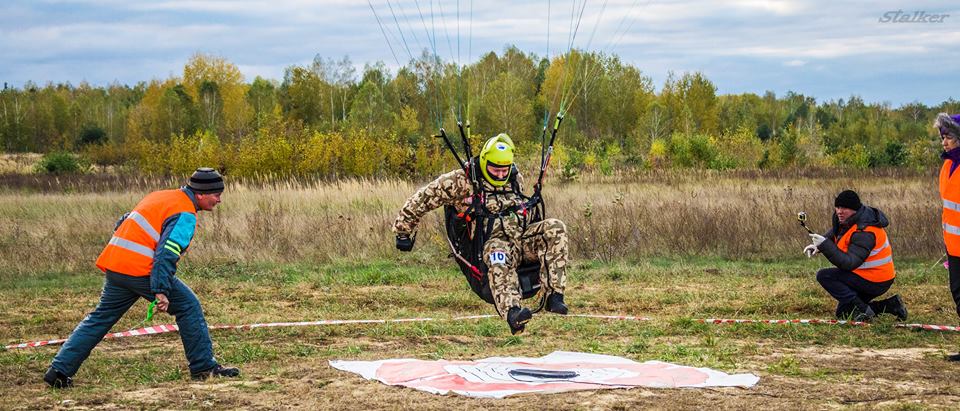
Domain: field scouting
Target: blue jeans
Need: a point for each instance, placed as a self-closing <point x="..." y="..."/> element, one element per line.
<point x="120" y="292"/>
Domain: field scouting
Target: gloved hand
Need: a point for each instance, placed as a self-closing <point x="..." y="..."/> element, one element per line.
<point x="817" y="239"/>
<point x="405" y="242"/>
<point x="810" y="250"/>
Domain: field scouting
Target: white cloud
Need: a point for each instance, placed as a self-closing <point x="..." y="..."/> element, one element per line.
<point x="57" y="39"/>
<point x="778" y="7"/>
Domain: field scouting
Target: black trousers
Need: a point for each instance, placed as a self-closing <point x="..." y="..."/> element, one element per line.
<point x="847" y="287"/>
<point x="955" y="280"/>
<point x="855" y="294"/>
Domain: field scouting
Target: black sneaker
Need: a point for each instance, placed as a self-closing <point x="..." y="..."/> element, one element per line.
<point x="953" y="357"/>
<point x="863" y="315"/>
<point x="555" y="304"/>
<point x="899" y="309"/>
<point x="218" y="371"/>
<point x="56" y="379"/>
<point x="517" y="318"/>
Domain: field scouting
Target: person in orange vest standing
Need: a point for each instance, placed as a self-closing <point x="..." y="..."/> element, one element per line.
<point x="140" y="261"/>
<point x="859" y="248"/>
<point x="949" y="127"/>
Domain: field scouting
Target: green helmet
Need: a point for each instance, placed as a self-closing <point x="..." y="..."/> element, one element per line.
<point x="497" y="151"/>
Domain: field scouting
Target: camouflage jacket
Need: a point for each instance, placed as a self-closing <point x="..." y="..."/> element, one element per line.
<point x="454" y="189"/>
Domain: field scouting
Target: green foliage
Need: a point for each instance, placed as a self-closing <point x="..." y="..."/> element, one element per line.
<point x="739" y="149"/>
<point x="61" y="162"/>
<point x="92" y="135"/>
<point x="894" y="154"/>
<point x="855" y="156"/>
<point x="323" y="119"/>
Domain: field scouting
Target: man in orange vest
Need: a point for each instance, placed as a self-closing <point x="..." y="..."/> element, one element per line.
<point x="859" y="248"/>
<point x="140" y="261"/>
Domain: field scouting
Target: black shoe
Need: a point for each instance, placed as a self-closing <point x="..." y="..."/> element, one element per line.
<point x="555" y="304"/>
<point x="863" y="315"/>
<point x="517" y="318"/>
<point x="855" y="311"/>
<point x="893" y="306"/>
<point x="56" y="379"/>
<point x="897" y="307"/>
<point x="218" y="371"/>
<point x="953" y="357"/>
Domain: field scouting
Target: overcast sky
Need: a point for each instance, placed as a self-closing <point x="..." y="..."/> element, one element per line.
<point x="824" y="49"/>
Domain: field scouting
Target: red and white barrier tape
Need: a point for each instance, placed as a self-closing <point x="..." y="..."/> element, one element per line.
<point x="156" y="329"/>
<point x="930" y="327"/>
<point x="166" y="328"/>
<point x="797" y="321"/>
<point x="611" y="317"/>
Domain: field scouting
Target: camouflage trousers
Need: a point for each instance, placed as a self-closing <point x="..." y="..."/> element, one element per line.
<point x="545" y="241"/>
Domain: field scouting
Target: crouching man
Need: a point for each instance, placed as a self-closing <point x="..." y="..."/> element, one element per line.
<point x="859" y="248"/>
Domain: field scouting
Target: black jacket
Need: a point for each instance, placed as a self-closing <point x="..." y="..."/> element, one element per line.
<point x="861" y="242"/>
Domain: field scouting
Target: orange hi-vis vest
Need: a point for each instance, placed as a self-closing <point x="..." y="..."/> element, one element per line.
<point x="950" y="194"/>
<point x="131" y="249"/>
<point x="878" y="266"/>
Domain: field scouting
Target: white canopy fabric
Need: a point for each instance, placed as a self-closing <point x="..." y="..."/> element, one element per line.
<point x="492" y="377"/>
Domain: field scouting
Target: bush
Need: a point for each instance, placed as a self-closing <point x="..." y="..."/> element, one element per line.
<point x="92" y="135"/>
<point x="61" y="162"/>
<point x="855" y="156"/>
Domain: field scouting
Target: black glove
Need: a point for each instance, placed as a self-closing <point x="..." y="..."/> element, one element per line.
<point x="405" y="242"/>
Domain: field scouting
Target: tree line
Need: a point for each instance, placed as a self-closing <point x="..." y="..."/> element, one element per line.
<point x="327" y="119"/>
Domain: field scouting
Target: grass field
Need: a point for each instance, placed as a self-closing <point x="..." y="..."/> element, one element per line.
<point x="800" y="366"/>
<point x="294" y="253"/>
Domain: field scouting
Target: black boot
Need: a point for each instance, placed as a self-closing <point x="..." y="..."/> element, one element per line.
<point x="863" y="314"/>
<point x="218" y="371"/>
<point x="517" y="318"/>
<point x="855" y="310"/>
<point x="953" y="357"/>
<point x="893" y="305"/>
<point x="56" y="379"/>
<point x="555" y="304"/>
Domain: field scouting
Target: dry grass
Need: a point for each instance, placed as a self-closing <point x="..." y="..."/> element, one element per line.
<point x="673" y="246"/>
<point x="672" y="214"/>
<point x="22" y="163"/>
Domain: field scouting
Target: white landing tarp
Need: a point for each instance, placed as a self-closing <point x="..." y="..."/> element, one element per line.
<point x="560" y="371"/>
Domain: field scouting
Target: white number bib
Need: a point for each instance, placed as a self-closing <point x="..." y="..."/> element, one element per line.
<point x="498" y="257"/>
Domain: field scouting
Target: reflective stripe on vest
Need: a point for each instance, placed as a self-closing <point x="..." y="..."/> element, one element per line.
<point x="878" y="250"/>
<point x="145" y="225"/>
<point x="133" y="246"/>
<point x="950" y="205"/>
<point x="951" y="229"/>
<point x="878" y="266"/>
<point x="950" y="218"/>
<point x="876" y="263"/>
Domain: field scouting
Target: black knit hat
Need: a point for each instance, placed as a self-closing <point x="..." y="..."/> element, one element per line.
<point x="848" y="199"/>
<point x="206" y="181"/>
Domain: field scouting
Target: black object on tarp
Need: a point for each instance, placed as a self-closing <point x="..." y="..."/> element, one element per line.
<point x="543" y="374"/>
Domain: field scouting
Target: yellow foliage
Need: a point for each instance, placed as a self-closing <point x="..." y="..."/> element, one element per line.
<point x="742" y="146"/>
<point x="658" y="152"/>
<point x="265" y="155"/>
<point x="230" y="82"/>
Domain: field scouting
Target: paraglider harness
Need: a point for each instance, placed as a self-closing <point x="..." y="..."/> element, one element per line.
<point x="468" y="231"/>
